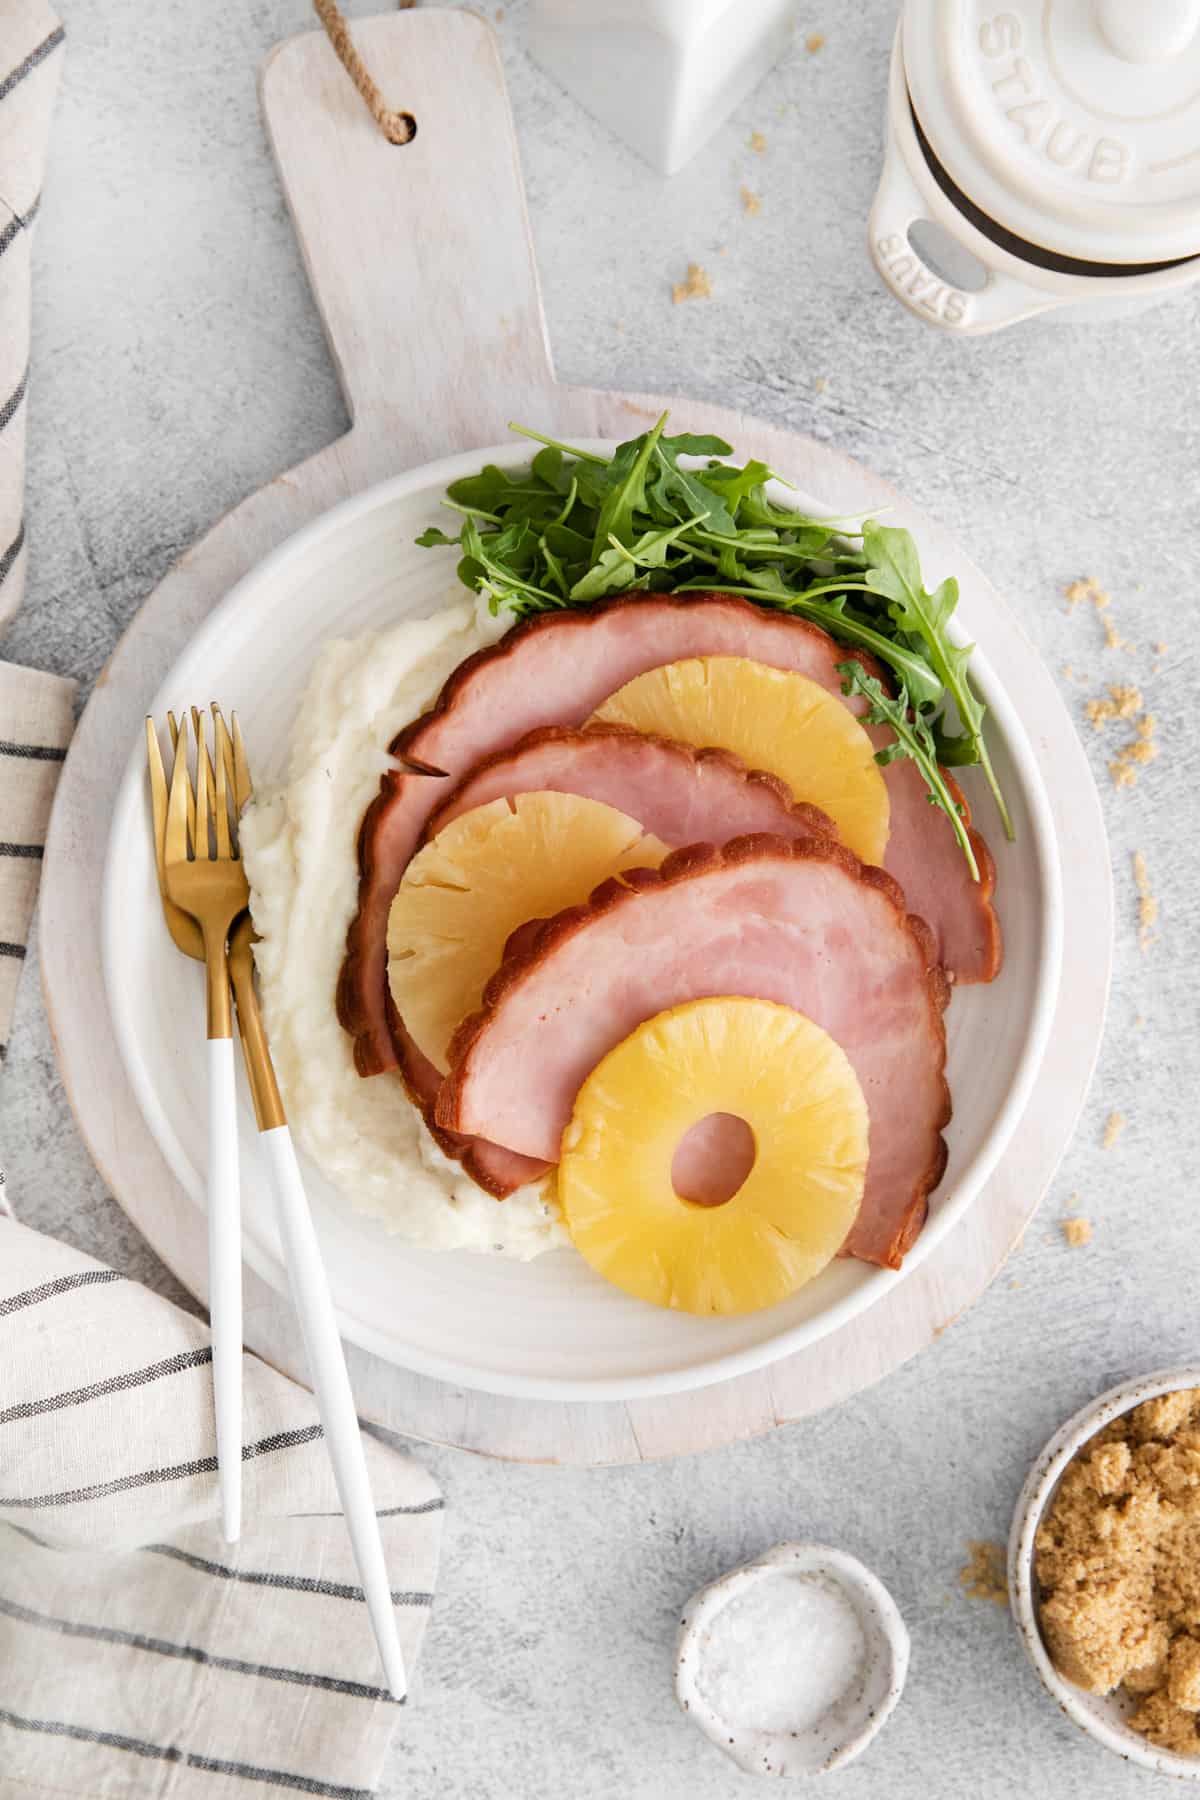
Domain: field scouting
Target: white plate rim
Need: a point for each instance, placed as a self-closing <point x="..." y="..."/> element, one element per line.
<point x="969" y="1182"/>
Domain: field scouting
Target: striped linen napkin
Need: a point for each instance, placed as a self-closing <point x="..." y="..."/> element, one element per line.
<point x="139" y="1653"/>
<point x="30" y="61"/>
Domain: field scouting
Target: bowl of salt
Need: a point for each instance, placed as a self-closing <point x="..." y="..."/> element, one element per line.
<point x="791" y="1663"/>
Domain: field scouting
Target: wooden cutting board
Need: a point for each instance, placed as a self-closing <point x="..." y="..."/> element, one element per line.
<point x="422" y="266"/>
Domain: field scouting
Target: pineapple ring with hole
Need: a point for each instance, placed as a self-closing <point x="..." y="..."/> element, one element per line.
<point x="773" y="719"/>
<point x="492" y="869"/>
<point x="795" y="1088"/>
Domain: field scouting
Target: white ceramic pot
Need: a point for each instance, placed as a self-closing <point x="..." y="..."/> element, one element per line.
<point x="1046" y="154"/>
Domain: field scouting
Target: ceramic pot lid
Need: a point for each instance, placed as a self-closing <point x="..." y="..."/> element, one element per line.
<point x="1074" y="124"/>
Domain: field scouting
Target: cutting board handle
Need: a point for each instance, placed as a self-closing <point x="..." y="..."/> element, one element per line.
<point x="419" y="255"/>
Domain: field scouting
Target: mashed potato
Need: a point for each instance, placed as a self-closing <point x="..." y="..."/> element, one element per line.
<point x="298" y="842"/>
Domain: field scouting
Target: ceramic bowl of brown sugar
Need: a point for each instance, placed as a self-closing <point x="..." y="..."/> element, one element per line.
<point x="1102" y="1575"/>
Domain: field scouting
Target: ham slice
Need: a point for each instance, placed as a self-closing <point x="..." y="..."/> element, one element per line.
<point x="802" y="923"/>
<point x="556" y="670"/>
<point x="680" y="795"/>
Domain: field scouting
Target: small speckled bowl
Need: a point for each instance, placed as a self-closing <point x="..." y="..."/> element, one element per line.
<point x="1102" y="1716"/>
<point x="850" y="1724"/>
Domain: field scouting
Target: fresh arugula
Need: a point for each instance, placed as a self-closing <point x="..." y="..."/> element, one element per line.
<point x="913" y="738"/>
<point x="672" y="515"/>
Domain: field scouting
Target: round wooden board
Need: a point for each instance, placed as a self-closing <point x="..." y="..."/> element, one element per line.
<point x="434" y="363"/>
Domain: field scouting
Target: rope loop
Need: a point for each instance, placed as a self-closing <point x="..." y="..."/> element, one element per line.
<point x="397" y="127"/>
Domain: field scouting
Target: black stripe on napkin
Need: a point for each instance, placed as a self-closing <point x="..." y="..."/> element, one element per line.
<point x="135" y="1640"/>
<point x="115" y="1384"/>
<point x="386" y="1512"/>
<point x="31" y="62"/>
<point x="18" y="222"/>
<point x="201" y="1465"/>
<point x="33" y="851"/>
<point x="14" y="549"/>
<point x="299" y="1584"/>
<point x="14" y="399"/>
<point x="62" y="1284"/>
<point x="16" y="951"/>
<point x="33" y="752"/>
<point x="300" y="1784"/>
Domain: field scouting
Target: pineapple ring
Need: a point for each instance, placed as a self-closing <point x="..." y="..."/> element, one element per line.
<point x="490" y="870"/>
<point x="795" y="1088"/>
<point x="773" y="719"/>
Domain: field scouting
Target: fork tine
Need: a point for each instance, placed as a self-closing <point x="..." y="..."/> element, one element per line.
<point x="175" y="842"/>
<point x="242" y="785"/>
<point x="228" y="764"/>
<point x="173" y="728"/>
<point x="224" y="846"/>
<point x="203" y="850"/>
<point x="158" y="799"/>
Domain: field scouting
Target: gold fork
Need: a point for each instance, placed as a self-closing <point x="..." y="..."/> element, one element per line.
<point x="187" y="936"/>
<point x="306" y="1274"/>
<point x="212" y="891"/>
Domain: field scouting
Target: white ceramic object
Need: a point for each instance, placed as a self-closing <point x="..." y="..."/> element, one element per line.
<point x="661" y="74"/>
<point x="1102" y="1716"/>
<point x="549" y="1329"/>
<point x="1064" y="169"/>
<point x="850" y="1724"/>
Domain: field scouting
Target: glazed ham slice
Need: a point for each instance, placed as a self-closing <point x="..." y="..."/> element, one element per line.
<point x="556" y="670"/>
<point x="802" y="923"/>
<point x="680" y="795"/>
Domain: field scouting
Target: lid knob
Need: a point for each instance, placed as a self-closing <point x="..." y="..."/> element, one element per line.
<point x="1145" y="31"/>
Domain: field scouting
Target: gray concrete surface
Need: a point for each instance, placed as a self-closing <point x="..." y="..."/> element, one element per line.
<point x="178" y="364"/>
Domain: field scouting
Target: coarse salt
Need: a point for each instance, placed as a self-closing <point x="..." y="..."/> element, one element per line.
<point x="782" y="1653"/>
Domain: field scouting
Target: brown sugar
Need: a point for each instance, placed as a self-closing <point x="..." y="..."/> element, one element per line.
<point x="697" y="286"/>
<point x="814" y="41"/>
<point x="751" y="202"/>
<point x="1147" y="902"/>
<point x="758" y="143"/>
<point x="1118" y="1568"/>
<point x="1114" y="1125"/>
<point x="1077" y="1231"/>
<point x="1088" y="590"/>
<point x="983" y="1576"/>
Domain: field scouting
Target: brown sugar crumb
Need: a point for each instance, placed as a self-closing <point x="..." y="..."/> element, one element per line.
<point x="1130" y="757"/>
<point x="982" y="1576"/>
<point x="814" y="41"/>
<point x="1147" y="902"/>
<point x="751" y="202"/>
<point x="821" y="384"/>
<point x="1087" y="591"/>
<point x="697" y="286"/>
<point x="1114" y="1125"/>
<point x="1077" y="1231"/>
<point x="758" y="143"/>
<point x="1087" y="588"/>
<point x="1112" y="637"/>
<point x="1117" y="1570"/>
<point x="1124" y="702"/>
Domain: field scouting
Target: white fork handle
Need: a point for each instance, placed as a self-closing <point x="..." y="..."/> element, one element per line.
<point x="335" y="1401"/>
<point x="225" y="1279"/>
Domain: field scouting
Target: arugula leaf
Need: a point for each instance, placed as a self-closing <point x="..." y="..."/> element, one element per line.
<point x="575" y="526"/>
<point x="895" y="571"/>
<point x="627" y="489"/>
<point x="914" y="739"/>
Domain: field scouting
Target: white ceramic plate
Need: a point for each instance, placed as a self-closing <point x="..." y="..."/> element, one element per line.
<point x="549" y="1329"/>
